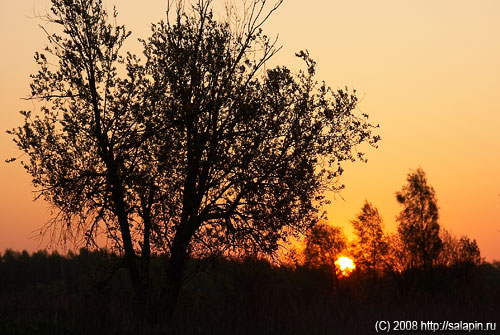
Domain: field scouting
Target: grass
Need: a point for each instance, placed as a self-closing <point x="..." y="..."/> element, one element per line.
<point x="51" y="294"/>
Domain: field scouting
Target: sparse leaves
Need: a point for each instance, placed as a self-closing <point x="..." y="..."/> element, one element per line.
<point x="195" y="148"/>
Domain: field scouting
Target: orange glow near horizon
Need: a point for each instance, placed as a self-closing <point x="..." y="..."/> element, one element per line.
<point x="345" y="265"/>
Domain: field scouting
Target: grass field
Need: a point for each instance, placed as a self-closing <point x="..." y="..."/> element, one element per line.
<point x="52" y="294"/>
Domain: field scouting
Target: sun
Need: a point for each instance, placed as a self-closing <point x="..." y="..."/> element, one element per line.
<point x="345" y="265"/>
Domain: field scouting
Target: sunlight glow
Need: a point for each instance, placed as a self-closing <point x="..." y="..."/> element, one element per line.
<point x="345" y="265"/>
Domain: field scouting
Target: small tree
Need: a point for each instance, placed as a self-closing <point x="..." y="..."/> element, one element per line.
<point x="449" y="251"/>
<point x="468" y="252"/>
<point x="461" y="255"/>
<point x="370" y="246"/>
<point x="418" y="221"/>
<point x="398" y="258"/>
<point x="324" y="244"/>
<point x="457" y="251"/>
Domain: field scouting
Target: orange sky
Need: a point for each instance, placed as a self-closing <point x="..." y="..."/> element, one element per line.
<point x="427" y="71"/>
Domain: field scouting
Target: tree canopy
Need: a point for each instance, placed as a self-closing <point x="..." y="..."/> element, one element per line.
<point x="193" y="149"/>
<point x="324" y="244"/>
<point x="371" y="246"/>
<point x="418" y="220"/>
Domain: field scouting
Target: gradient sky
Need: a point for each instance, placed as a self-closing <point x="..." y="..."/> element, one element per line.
<point x="427" y="71"/>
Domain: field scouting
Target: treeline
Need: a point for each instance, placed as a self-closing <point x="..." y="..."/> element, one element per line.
<point x="44" y="293"/>
<point x="419" y="246"/>
<point x="73" y="271"/>
<point x="421" y="272"/>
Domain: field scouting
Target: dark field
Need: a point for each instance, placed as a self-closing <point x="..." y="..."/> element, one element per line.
<point x="52" y="294"/>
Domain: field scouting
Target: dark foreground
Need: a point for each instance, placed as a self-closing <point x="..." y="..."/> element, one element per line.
<point x="51" y="294"/>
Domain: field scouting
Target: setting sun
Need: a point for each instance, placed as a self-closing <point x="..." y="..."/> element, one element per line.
<point x="345" y="265"/>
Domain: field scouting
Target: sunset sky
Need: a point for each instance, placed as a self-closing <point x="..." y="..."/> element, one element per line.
<point x="427" y="71"/>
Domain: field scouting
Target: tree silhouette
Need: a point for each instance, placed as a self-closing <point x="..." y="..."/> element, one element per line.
<point x="398" y="257"/>
<point x="449" y="251"/>
<point x="468" y="252"/>
<point x="459" y="251"/>
<point x="324" y="244"/>
<point x="194" y="150"/>
<point x="460" y="255"/>
<point x="371" y="246"/>
<point x="86" y="144"/>
<point x="418" y="221"/>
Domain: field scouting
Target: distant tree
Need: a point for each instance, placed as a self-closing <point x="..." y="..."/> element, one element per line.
<point x="449" y="251"/>
<point x="461" y="255"/>
<point x="324" y="244"/>
<point x="468" y="251"/>
<point x="418" y="221"/>
<point x="370" y="246"/>
<point x="456" y="251"/>
<point x="398" y="258"/>
<point x="195" y="150"/>
<point x="291" y="257"/>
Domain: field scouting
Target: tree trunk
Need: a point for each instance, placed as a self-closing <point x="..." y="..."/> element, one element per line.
<point x="188" y="224"/>
<point x="114" y="182"/>
<point x="121" y="213"/>
<point x="174" y="272"/>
